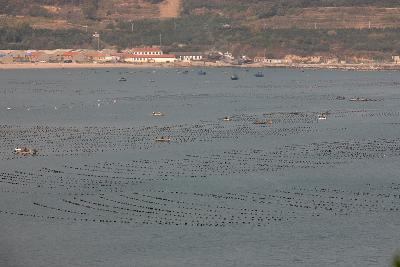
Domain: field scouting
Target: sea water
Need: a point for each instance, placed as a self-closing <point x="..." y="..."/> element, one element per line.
<point x="294" y="190"/>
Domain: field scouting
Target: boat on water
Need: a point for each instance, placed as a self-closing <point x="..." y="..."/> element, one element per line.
<point x="25" y="151"/>
<point x="322" y="117"/>
<point x="263" y="122"/>
<point x="201" y="72"/>
<point x="361" y="99"/>
<point x="234" y="77"/>
<point x="122" y="79"/>
<point x="163" y="139"/>
<point x="358" y="99"/>
<point x="157" y="114"/>
<point x="259" y="74"/>
<point x="227" y="118"/>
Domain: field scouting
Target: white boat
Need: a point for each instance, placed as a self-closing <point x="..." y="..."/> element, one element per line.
<point x="227" y="119"/>
<point x="24" y="151"/>
<point x="359" y="99"/>
<point x="157" y="113"/>
<point x="163" y="139"/>
<point x="263" y="122"/>
<point x="321" y="117"/>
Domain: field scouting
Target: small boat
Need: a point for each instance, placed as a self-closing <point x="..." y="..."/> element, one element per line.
<point x="122" y="79"/>
<point x="163" y="139"/>
<point x="227" y="118"/>
<point x="340" y="98"/>
<point x="259" y="74"/>
<point x="157" y="114"/>
<point x="263" y="122"/>
<point x="201" y="72"/>
<point x="234" y="77"/>
<point x="24" y="151"/>
<point x="322" y="116"/>
<point x="358" y="99"/>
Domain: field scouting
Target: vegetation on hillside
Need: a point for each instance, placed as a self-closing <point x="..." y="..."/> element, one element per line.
<point x="207" y="24"/>
<point x="208" y="32"/>
<point x="396" y="260"/>
<point x="270" y="8"/>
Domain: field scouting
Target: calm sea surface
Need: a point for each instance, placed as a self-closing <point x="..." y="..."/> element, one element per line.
<point x="289" y="191"/>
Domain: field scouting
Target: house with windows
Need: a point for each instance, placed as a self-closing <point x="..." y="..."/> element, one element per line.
<point x="134" y="58"/>
<point x="6" y="58"/>
<point x="37" y="56"/>
<point x="189" y="56"/>
<point x="74" y="56"/>
<point x="96" y="56"/>
<point x="145" y="51"/>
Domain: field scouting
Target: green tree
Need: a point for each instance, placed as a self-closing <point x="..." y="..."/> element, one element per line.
<point x="89" y="8"/>
<point x="396" y="260"/>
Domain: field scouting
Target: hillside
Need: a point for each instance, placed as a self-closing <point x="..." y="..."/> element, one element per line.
<point x="245" y="26"/>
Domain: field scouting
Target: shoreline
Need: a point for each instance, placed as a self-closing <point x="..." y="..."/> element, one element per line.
<point x="321" y="66"/>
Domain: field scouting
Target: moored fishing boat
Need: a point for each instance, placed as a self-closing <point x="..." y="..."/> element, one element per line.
<point x="163" y="139"/>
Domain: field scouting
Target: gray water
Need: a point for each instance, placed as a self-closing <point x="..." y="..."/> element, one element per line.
<point x="295" y="191"/>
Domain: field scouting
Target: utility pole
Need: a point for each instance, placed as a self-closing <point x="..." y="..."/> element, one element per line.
<point x="160" y="39"/>
<point x="315" y="26"/>
<point x="369" y="24"/>
<point x="132" y="27"/>
<point x="97" y="35"/>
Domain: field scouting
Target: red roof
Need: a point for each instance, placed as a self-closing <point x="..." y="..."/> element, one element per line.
<point x="70" y="54"/>
<point x="95" y="54"/>
<point x="36" y="54"/>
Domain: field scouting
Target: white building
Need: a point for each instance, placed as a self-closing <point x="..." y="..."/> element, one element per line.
<point x="189" y="56"/>
<point x="145" y="51"/>
<point x="164" y="58"/>
<point x="396" y="59"/>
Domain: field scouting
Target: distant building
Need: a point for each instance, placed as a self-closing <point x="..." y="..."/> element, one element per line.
<point x="145" y="51"/>
<point x="19" y="56"/>
<point x="164" y="58"/>
<point x="331" y="60"/>
<point x="274" y="61"/>
<point x="268" y="60"/>
<point x="95" y="56"/>
<point x="74" y="56"/>
<point x="6" y="59"/>
<point x="259" y="59"/>
<point x="37" y="56"/>
<point x="189" y="56"/>
<point x="314" y="59"/>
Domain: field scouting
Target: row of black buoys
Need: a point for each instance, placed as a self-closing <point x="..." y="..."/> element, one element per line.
<point x="195" y="208"/>
<point x="67" y="141"/>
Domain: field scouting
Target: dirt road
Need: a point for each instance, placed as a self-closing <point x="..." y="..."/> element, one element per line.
<point x="170" y="9"/>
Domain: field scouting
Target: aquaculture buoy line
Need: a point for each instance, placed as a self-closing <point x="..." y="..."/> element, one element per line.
<point x="131" y="190"/>
<point x="64" y="141"/>
<point x="198" y="209"/>
<point x="105" y="190"/>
